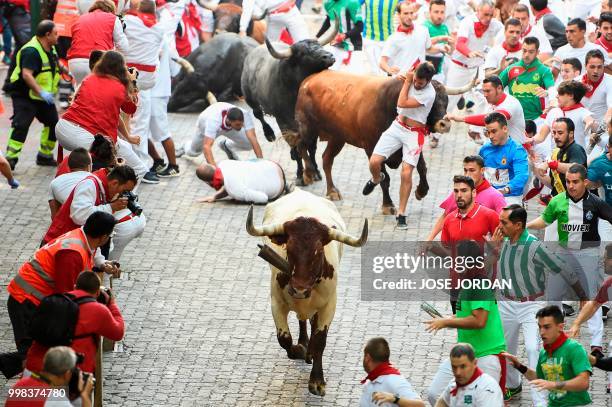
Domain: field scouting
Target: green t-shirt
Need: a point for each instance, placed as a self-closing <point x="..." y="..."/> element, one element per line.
<point x="522" y="82"/>
<point x="490" y="339"/>
<point x="437" y="31"/>
<point x="567" y="361"/>
<point x="349" y="12"/>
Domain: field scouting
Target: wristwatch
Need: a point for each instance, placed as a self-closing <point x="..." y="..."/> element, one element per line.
<point x="396" y="399"/>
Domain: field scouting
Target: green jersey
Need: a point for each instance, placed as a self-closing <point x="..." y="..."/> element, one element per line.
<point x="490" y="339"/>
<point x="437" y="31"/>
<point x="379" y="19"/>
<point x="565" y="363"/>
<point x="349" y="12"/>
<point x="522" y="82"/>
<point x="526" y="263"/>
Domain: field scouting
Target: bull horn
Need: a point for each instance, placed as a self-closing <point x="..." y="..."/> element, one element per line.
<point x="278" y="54"/>
<point x="335" y="234"/>
<point x="330" y="35"/>
<point x="211" y="98"/>
<point x="209" y="5"/>
<point x="186" y="65"/>
<point x="463" y="89"/>
<point x="260" y="17"/>
<point x="267" y="230"/>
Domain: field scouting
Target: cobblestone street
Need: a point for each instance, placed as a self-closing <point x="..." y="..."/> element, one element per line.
<point x="195" y="297"/>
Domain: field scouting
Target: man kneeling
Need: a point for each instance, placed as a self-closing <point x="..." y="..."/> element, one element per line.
<point x="256" y="181"/>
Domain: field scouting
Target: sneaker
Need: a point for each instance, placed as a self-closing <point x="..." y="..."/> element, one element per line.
<point x="461" y="103"/>
<point x="158" y="166"/>
<point x="401" y="222"/>
<point x="150" y="178"/>
<point x="12" y="162"/>
<point x="45" y="161"/>
<point x="597" y="351"/>
<point x="64" y="104"/>
<point x="170" y="171"/>
<point x="6" y="60"/>
<point x="510" y="393"/>
<point x="469" y="105"/>
<point x="568" y="310"/>
<point x="13" y="183"/>
<point x="370" y="185"/>
<point x="179" y="151"/>
<point x="433" y="142"/>
<point x="230" y="154"/>
<point x="604" y="312"/>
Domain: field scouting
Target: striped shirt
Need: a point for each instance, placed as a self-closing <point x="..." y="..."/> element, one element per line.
<point x="526" y="263"/>
<point x="379" y="19"/>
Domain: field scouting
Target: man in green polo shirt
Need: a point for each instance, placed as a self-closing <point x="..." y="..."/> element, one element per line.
<point x="528" y="80"/>
<point x="563" y="367"/>
<point x="437" y="28"/>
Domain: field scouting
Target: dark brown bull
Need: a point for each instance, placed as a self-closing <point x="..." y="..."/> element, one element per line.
<point x="342" y="108"/>
<point x="227" y="19"/>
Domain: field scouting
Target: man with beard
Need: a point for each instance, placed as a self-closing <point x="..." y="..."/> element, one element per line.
<point x="407" y="132"/>
<point x="521" y="13"/>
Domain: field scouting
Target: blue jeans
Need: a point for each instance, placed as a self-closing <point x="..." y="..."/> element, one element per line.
<point x="7" y="37"/>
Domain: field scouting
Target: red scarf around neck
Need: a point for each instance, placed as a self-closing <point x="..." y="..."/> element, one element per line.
<point x="476" y="375"/>
<point x="102" y="175"/>
<point x="541" y="14"/>
<point x="550" y="349"/>
<point x="480" y="29"/>
<point x="217" y="181"/>
<point x="501" y="99"/>
<point x="527" y="31"/>
<point x="149" y="20"/>
<point x="510" y="49"/>
<point x="590" y="85"/>
<point x="572" y="107"/>
<point x="405" y="30"/>
<point x="383" y="369"/>
<point x="602" y="41"/>
<point x="483" y="185"/>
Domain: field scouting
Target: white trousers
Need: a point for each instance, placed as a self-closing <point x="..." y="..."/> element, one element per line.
<point x="124" y="150"/>
<point x="158" y="125"/>
<point x="489" y="364"/>
<point x="71" y="136"/>
<point x="139" y="124"/>
<point x="292" y="20"/>
<point x="79" y="68"/>
<point x="516" y="316"/>
<point x="125" y="232"/>
<point x="373" y="50"/>
<point x="456" y="77"/>
<point x="234" y="140"/>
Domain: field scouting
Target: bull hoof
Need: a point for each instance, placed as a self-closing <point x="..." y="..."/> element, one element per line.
<point x="308" y="178"/>
<point x="334" y="195"/>
<point x="318" y="176"/>
<point x="389" y="210"/>
<point x="297" y="352"/>
<point x="299" y="181"/>
<point x="270" y="136"/>
<point x="317" y="387"/>
<point x="308" y="358"/>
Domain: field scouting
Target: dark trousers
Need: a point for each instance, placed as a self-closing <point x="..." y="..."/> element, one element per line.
<point x="20" y="314"/>
<point x="19" y="20"/>
<point x="24" y="111"/>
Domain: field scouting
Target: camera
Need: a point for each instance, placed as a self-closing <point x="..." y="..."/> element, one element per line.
<point x="132" y="202"/>
<point x="73" y="387"/>
<point x="105" y="296"/>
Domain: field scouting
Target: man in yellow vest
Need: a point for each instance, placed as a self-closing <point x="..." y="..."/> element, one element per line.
<point x="32" y="85"/>
<point x="54" y="269"/>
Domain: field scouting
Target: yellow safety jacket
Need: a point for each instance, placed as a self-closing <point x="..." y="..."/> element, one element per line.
<point x="48" y="77"/>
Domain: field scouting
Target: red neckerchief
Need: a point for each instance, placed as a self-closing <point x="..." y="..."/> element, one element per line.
<point x="384" y="368"/>
<point x="550" y="349"/>
<point x="602" y="41"/>
<point x="527" y="31"/>
<point x="102" y="175"/>
<point x="501" y="99"/>
<point x="483" y="185"/>
<point x="193" y="17"/>
<point x="590" y="85"/>
<point x="476" y="375"/>
<point x="509" y="50"/>
<point x="149" y="20"/>
<point x="570" y="108"/>
<point x="401" y="29"/>
<point x="217" y="180"/>
<point x="541" y="14"/>
<point x="223" y="116"/>
<point x="480" y="29"/>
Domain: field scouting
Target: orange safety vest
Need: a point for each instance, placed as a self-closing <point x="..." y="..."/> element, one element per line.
<point x="65" y="16"/>
<point x="36" y="278"/>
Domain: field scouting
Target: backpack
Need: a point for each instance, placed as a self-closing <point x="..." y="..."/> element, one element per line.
<point x="55" y="319"/>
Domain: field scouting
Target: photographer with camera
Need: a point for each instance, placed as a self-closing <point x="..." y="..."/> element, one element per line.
<point x="107" y="191"/>
<point x="49" y="386"/>
<point x="95" y="319"/>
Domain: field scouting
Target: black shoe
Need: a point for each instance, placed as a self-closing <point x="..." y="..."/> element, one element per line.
<point x="150" y="178"/>
<point x="568" y="310"/>
<point x="461" y="103"/>
<point x="370" y="185"/>
<point x="12" y="163"/>
<point x="158" y="166"/>
<point x="510" y="393"/>
<point x="230" y="154"/>
<point x="469" y="104"/>
<point x="401" y="222"/>
<point x="170" y="171"/>
<point x="604" y="312"/>
<point x="597" y="351"/>
<point x="45" y="161"/>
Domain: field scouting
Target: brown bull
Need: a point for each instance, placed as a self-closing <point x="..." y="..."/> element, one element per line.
<point x="341" y="108"/>
<point x="227" y="19"/>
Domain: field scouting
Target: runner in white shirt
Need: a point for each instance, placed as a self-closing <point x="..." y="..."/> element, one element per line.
<point x="471" y="387"/>
<point x="508" y="51"/>
<point x="408" y="45"/>
<point x="223" y="119"/>
<point x="598" y="98"/>
<point x="407" y="132"/>
<point x="473" y="35"/>
<point x="521" y="13"/>
<point x="79" y="163"/>
<point x="280" y="14"/>
<point x="257" y="181"/>
<point x="577" y="46"/>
